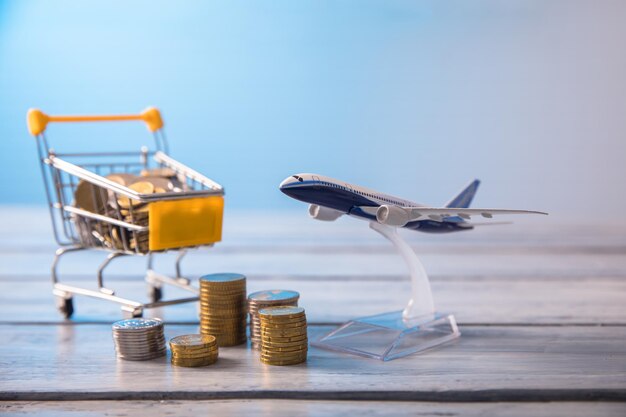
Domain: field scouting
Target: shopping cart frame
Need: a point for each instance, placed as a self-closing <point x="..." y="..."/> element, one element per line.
<point x="73" y="227"/>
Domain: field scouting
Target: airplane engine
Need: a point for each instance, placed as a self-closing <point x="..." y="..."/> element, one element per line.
<point x="392" y="216"/>
<point x="324" y="214"/>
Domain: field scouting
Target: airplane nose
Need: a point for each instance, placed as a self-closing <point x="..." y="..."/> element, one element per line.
<point x="286" y="182"/>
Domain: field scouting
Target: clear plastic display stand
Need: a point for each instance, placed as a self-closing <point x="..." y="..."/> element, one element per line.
<point x="396" y="334"/>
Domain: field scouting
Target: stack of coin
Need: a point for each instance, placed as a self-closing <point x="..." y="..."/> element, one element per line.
<point x="139" y="339"/>
<point x="193" y="350"/>
<point x="267" y="298"/>
<point x="283" y="335"/>
<point x="136" y="212"/>
<point x="95" y="199"/>
<point x="223" y="308"/>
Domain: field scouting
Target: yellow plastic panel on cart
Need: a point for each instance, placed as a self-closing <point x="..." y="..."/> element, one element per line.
<point x="190" y="222"/>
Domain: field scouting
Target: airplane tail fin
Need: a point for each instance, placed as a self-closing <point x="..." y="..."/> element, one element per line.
<point x="465" y="197"/>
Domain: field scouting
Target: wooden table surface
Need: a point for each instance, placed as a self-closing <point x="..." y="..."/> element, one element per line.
<point x="541" y="305"/>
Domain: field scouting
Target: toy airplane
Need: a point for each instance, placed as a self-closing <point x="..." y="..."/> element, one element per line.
<point x="330" y="198"/>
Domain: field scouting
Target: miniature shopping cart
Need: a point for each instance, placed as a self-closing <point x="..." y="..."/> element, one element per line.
<point x="125" y="203"/>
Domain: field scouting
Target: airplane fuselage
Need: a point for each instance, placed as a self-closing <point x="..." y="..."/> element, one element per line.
<point x="351" y="199"/>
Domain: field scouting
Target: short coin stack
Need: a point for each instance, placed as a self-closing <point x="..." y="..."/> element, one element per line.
<point x="262" y="299"/>
<point x="192" y="350"/>
<point x="223" y="308"/>
<point x="283" y="335"/>
<point x="139" y="339"/>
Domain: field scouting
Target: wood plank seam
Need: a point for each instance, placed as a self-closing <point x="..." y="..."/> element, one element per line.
<point x="488" y="395"/>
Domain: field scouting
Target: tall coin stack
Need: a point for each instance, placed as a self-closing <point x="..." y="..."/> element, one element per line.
<point x="192" y="350"/>
<point x="223" y="308"/>
<point x="283" y="335"/>
<point x="139" y="339"/>
<point x="262" y="299"/>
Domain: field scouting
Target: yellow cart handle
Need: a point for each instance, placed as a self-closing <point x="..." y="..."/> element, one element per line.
<point x="38" y="121"/>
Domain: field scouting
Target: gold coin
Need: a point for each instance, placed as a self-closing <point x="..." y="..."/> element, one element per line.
<point x="274" y="321"/>
<point x="138" y="212"/>
<point x="156" y="181"/>
<point x="221" y="302"/>
<point x="230" y="292"/>
<point x="212" y="322"/>
<point x="122" y="178"/>
<point x="90" y="197"/>
<point x="142" y="187"/>
<point x="285" y="339"/>
<point x="287" y="327"/>
<point x="221" y="328"/>
<point x="283" y="350"/>
<point x="223" y="314"/>
<point x="158" y="172"/>
<point x="283" y="363"/>
<point x="285" y="323"/>
<point x="198" y="351"/>
<point x="223" y="286"/>
<point x="226" y="286"/>
<point x="274" y="296"/>
<point x="270" y="335"/>
<point x="224" y="292"/>
<point x="281" y="311"/>
<point x="220" y="332"/>
<point x="194" y="355"/>
<point x="291" y="326"/>
<point x="225" y="341"/>
<point x="184" y="348"/>
<point x="218" y="322"/>
<point x="283" y="354"/>
<point x="192" y="341"/>
<point x="218" y="306"/>
<point x="194" y="349"/>
<point x="270" y="345"/>
<point x="224" y="278"/>
<point x="193" y="364"/>
<point x="284" y="358"/>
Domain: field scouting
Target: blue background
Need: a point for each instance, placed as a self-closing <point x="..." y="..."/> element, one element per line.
<point x="414" y="98"/>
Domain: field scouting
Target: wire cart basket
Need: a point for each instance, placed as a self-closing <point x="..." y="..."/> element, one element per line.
<point x="125" y="203"/>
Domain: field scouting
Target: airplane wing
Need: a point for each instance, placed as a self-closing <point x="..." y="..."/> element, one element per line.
<point x="399" y="216"/>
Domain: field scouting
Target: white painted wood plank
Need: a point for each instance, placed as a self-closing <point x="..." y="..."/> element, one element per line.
<point x="366" y="264"/>
<point x="30" y="225"/>
<point x="291" y="408"/>
<point x="335" y="301"/>
<point x="487" y="363"/>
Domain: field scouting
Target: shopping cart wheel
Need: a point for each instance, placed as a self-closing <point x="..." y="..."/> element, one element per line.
<point x="155" y="293"/>
<point x="65" y="306"/>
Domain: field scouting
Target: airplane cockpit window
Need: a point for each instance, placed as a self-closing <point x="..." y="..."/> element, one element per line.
<point x="298" y="178"/>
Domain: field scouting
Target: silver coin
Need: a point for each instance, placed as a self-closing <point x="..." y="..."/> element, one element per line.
<point x="132" y="350"/>
<point x="139" y="340"/>
<point x="139" y="333"/>
<point x="130" y="336"/>
<point x="137" y="324"/>
<point x="222" y="277"/>
<point x="144" y="346"/>
<point x="141" y="358"/>
<point x="273" y="295"/>
<point x="141" y="352"/>
<point x="281" y="311"/>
